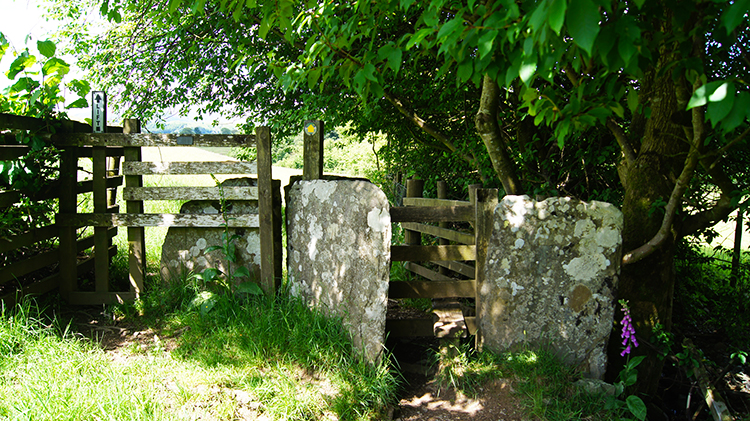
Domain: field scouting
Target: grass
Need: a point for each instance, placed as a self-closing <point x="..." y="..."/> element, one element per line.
<point x="257" y="356"/>
<point x="544" y="385"/>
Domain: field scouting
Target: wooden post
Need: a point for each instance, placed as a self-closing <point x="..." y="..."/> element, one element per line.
<point x="442" y="193"/>
<point x="136" y="236"/>
<point x="414" y="188"/>
<point x="101" y="239"/>
<point x="68" y="205"/>
<point x="486" y="201"/>
<point x="269" y="277"/>
<point x="313" y="150"/>
<point x="473" y="198"/>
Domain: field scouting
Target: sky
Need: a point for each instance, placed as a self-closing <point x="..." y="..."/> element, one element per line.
<point x="21" y="18"/>
<point x="22" y="23"/>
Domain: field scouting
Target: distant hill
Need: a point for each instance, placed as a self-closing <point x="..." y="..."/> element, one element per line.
<point x="193" y="127"/>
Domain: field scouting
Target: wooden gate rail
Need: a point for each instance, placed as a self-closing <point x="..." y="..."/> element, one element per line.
<point x="450" y="257"/>
<point x="268" y="219"/>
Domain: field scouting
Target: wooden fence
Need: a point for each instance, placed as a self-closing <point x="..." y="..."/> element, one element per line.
<point x="105" y="149"/>
<point x="37" y="273"/>
<point x="457" y="260"/>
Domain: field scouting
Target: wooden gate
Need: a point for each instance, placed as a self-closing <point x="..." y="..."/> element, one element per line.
<point x="105" y="216"/>
<point x="459" y="259"/>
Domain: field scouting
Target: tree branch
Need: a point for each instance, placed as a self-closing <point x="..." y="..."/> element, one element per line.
<point x="622" y="140"/>
<point x="683" y="181"/>
<point x="425" y="126"/>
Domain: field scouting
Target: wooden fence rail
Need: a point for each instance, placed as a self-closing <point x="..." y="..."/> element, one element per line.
<point x="39" y="270"/>
<point x="61" y="265"/>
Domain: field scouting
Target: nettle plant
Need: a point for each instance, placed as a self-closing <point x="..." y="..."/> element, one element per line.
<point x="36" y="89"/>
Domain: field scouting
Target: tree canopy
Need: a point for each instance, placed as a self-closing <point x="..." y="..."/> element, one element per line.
<point x="642" y="103"/>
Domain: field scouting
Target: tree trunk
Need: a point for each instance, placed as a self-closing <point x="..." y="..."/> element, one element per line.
<point x="648" y="285"/>
<point x="489" y="130"/>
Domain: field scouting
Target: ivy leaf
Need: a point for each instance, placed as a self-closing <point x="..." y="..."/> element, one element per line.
<point x="583" y="23"/>
<point x="556" y="16"/>
<point x="46" y="48"/>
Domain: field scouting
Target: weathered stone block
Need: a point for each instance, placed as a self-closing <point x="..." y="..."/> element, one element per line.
<point x="339" y="246"/>
<point x="184" y="249"/>
<point x="551" y="273"/>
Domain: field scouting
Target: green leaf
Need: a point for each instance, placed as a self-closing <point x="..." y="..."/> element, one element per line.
<point x="173" y="5"/>
<point x="3" y="45"/>
<point x="465" y="70"/>
<point x="627" y="50"/>
<point x="55" y="65"/>
<point x="369" y="71"/>
<point x="632" y="100"/>
<point x="583" y="23"/>
<point x="701" y="95"/>
<point x="720" y="103"/>
<point x="393" y="54"/>
<point x="249" y="288"/>
<point x="418" y="37"/>
<point x="79" y="103"/>
<point x="740" y="111"/>
<point x="636" y="407"/>
<point x="486" y="43"/>
<point x="556" y="15"/>
<point x="528" y="68"/>
<point x="23" y="62"/>
<point x="209" y="249"/>
<point x="46" y="48"/>
<point x="735" y="14"/>
<point x="449" y="27"/>
<point x="633" y="362"/>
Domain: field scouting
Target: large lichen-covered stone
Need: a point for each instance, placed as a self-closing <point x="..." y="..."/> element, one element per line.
<point x="552" y="268"/>
<point x="184" y="249"/>
<point x="338" y="243"/>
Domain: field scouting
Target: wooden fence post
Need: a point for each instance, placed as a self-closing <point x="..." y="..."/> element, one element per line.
<point x="313" y="150"/>
<point x="414" y="188"/>
<point x="68" y="205"/>
<point x="101" y="239"/>
<point x="136" y="235"/>
<point x="486" y="201"/>
<point x="442" y="193"/>
<point x="269" y="264"/>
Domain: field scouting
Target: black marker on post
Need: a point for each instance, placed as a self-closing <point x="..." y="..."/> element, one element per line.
<point x="99" y="111"/>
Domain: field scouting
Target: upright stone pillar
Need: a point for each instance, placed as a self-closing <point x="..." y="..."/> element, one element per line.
<point x="551" y="273"/>
<point x="338" y="254"/>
